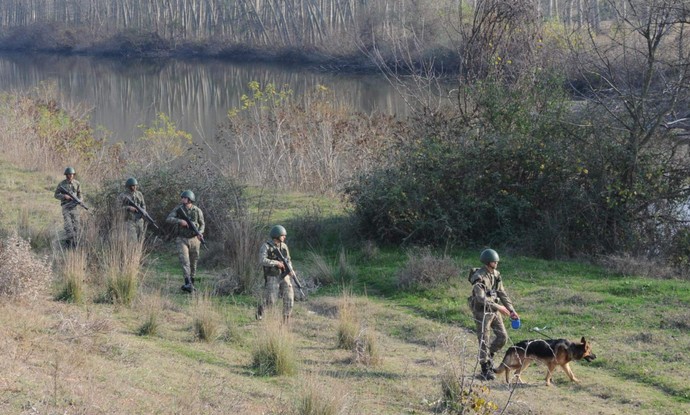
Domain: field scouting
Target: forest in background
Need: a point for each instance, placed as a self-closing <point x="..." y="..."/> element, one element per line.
<point x="341" y="32"/>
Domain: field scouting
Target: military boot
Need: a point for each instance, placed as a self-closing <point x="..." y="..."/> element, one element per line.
<point x="260" y="312"/>
<point x="188" y="287"/>
<point x="487" y="371"/>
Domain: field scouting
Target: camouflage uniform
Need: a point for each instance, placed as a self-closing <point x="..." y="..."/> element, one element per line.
<point x="70" y="212"/>
<point x="275" y="285"/>
<point x="487" y="291"/>
<point x="133" y="220"/>
<point x="188" y="245"/>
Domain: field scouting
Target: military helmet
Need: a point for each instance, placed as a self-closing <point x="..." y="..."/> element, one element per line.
<point x="70" y="170"/>
<point x="488" y="255"/>
<point x="278" y="231"/>
<point x="189" y="195"/>
<point x="131" y="182"/>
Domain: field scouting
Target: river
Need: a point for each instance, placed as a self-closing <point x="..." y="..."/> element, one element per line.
<point x="122" y="95"/>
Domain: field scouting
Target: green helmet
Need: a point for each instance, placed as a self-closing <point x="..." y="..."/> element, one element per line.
<point x="131" y="182"/>
<point x="488" y="255"/>
<point x="70" y="170"/>
<point x="278" y="231"/>
<point x="189" y="195"/>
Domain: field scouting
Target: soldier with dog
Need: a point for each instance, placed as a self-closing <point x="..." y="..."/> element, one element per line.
<point x="488" y="302"/>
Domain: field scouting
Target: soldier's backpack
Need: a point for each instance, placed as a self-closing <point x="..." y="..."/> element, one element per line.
<point x="472" y="271"/>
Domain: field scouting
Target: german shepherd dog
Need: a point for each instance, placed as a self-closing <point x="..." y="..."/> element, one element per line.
<point x="556" y="352"/>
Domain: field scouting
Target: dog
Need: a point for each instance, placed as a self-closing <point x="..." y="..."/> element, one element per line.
<point x="555" y="352"/>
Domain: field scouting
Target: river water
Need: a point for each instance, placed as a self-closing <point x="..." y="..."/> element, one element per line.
<point x="122" y="95"/>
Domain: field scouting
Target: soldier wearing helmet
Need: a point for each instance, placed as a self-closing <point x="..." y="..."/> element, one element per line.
<point x="277" y="281"/>
<point x="70" y="213"/>
<point x="488" y="301"/>
<point x="188" y="242"/>
<point x="133" y="219"/>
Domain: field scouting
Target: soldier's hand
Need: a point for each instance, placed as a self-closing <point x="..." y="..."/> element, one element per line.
<point x="514" y="316"/>
<point x="281" y="266"/>
<point x="67" y="197"/>
<point x="183" y="223"/>
<point x="503" y="310"/>
<point x="131" y="209"/>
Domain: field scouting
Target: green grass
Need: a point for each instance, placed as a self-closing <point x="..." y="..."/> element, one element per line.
<point x="639" y="326"/>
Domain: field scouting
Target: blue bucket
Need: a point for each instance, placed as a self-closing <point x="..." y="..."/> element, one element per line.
<point x="515" y="324"/>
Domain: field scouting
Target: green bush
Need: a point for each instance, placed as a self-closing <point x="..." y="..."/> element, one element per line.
<point x="519" y="173"/>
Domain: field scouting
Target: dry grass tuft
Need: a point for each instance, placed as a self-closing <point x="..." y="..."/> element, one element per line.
<point x="346" y="271"/>
<point x="151" y="308"/>
<point x="72" y="268"/>
<point x="316" y="398"/>
<point x="23" y="274"/>
<point x="367" y="349"/>
<point x="122" y="258"/>
<point x="425" y="269"/>
<point x="460" y="391"/>
<point x="348" y="322"/>
<point x="275" y="352"/>
<point x="206" y="320"/>
<point x="319" y="270"/>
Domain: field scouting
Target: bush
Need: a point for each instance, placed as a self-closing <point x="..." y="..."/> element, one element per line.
<point x="22" y="275"/>
<point x="231" y="234"/>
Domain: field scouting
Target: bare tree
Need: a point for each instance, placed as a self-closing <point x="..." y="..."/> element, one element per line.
<point x="635" y="80"/>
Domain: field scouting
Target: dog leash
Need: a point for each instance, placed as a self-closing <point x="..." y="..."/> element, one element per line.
<point x="541" y="331"/>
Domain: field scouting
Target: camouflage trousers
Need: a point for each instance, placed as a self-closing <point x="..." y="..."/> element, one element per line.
<point x="485" y="323"/>
<point x="277" y="287"/>
<point x="188" y="252"/>
<point x="71" y="218"/>
<point x="135" y="229"/>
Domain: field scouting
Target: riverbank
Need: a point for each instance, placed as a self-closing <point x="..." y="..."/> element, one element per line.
<point x="147" y="45"/>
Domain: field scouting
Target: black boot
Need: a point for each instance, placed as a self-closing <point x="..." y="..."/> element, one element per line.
<point x="188" y="287"/>
<point x="487" y="371"/>
<point x="260" y="312"/>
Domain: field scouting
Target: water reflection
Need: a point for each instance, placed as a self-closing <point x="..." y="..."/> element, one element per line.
<point x="124" y="94"/>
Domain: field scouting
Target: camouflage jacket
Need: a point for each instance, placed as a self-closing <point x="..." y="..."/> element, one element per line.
<point x="74" y="187"/>
<point x="138" y="198"/>
<point x="195" y="215"/>
<point x="269" y="258"/>
<point x="487" y="291"/>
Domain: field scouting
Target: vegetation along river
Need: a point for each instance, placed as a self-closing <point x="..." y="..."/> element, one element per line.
<point x="122" y="95"/>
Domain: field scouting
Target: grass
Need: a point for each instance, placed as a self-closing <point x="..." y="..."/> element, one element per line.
<point x="84" y="357"/>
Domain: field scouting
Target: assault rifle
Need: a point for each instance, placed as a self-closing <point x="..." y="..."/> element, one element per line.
<point x="289" y="270"/>
<point x="192" y="226"/>
<point x="141" y="211"/>
<point x="71" y="194"/>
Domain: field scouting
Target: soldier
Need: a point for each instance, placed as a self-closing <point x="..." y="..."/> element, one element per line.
<point x="70" y="212"/>
<point x="277" y="282"/>
<point x="188" y="241"/>
<point x="487" y="292"/>
<point x="133" y="218"/>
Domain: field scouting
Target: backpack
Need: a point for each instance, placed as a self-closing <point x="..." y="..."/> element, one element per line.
<point x="472" y="271"/>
